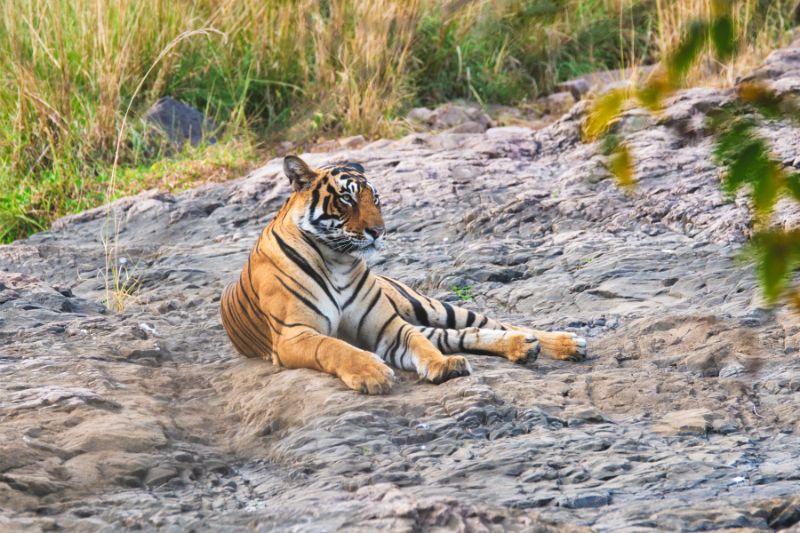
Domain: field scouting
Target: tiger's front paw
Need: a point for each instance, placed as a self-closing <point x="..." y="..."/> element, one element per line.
<point x="442" y="368"/>
<point x="372" y="377"/>
<point x="564" y="346"/>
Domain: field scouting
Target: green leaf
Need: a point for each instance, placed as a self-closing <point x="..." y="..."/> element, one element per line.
<point x="793" y="185"/>
<point x="767" y="185"/>
<point x="687" y="51"/>
<point x="747" y="158"/>
<point x="733" y="137"/>
<point x="620" y="164"/>
<point x="605" y="109"/>
<point x="777" y="254"/>
<point x="610" y="143"/>
<point x="655" y="90"/>
<point x="723" y="37"/>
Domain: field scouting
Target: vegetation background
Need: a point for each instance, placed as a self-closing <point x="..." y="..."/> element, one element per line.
<point x="304" y="70"/>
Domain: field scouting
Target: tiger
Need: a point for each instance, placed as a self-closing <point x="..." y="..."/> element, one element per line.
<point x="306" y="297"/>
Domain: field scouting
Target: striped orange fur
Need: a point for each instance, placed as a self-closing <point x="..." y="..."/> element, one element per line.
<point x="307" y="299"/>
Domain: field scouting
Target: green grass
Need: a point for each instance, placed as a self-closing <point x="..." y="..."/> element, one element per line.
<point x="275" y="70"/>
<point x="464" y="292"/>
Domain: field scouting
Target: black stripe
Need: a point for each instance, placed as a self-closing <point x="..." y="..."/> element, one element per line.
<point x="352" y="280"/>
<point x="316" y="353"/>
<point x="470" y="318"/>
<point x="250" y="276"/>
<point x="419" y="310"/>
<point x="369" y="308"/>
<point x="250" y="303"/>
<point x="241" y="346"/>
<point x="406" y="346"/>
<point x="483" y="322"/>
<point x="451" y="315"/>
<point x="286" y="274"/>
<point x="289" y="324"/>
<point x="314" y="198"/>
<point x="312" y="244"/>
<point x="446" y="339"/>
<point x="246" y="332"/>
<point x="227" y="320"/>
<point x="292" y="254"/>
<point x="322" y="217"/>
<point x="305" y="301"/>
<point x="392" y="351"/>
<point x="383" y="328"/>
<point x="461" y="341"/>
<point x="357" y="289"/>
<point x="308" y="240"/>
<point x="394" y="306"/>
<point x="258" y="309"/>
<point x="254" y="326"/>
<point x="251" y="325"/>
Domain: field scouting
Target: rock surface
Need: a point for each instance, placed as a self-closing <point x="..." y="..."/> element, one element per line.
<point x="604" y="80"/>
<point x="685" y="417"/>
<point x="453" y="117"/>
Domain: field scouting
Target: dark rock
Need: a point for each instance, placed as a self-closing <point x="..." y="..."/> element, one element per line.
<point x="180" y="123"/>
<point x="584" y="501"/>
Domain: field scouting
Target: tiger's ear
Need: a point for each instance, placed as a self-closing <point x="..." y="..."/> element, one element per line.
<point x="299" y="173"/>
<point x="355" y="166"/>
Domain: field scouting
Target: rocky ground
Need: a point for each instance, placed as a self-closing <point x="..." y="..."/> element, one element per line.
<point x="684" y="417"/>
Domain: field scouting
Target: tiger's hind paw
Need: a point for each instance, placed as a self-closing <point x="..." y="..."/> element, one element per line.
<point x="579" y="351"/>
<point x="522" y="348"/>
<point x="564" y="346"/>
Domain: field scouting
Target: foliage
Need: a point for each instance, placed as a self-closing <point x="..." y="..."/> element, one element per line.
<point x="278" y="69"/>
<point x="464" y="292"/>
<point x="739" y="148"/>
<point x="273" y="70"/>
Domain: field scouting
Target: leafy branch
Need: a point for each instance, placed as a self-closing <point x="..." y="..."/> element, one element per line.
<point x="739" y="149"/>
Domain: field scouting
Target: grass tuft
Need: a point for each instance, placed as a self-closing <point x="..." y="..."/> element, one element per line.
<point x="276" y="70"/>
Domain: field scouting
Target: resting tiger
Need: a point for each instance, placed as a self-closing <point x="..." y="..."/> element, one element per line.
<point x="307" y="299"/>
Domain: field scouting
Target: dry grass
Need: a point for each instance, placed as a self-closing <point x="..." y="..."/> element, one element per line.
<point x="69" y="70"/>
<point x="762" y="26"/>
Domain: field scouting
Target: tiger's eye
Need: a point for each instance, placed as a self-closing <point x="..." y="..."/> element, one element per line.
<point x="344" y="200"/>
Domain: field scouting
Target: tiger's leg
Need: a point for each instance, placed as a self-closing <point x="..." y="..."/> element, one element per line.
<point x="358" y="369"/>
<point x="514" y="346"/>
<point x="423" y="311"/>
<point x="381" y="330"/>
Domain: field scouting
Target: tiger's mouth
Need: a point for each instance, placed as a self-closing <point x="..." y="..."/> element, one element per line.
<point x="353" y="245"/>
<point x="377" y="245"/>
<point x="368" y="247"/>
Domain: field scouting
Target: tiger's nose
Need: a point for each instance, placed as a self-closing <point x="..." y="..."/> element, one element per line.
<point x="375" y="232"/>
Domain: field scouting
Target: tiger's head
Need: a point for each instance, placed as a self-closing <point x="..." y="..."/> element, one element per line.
<point x="336" y="205"/>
